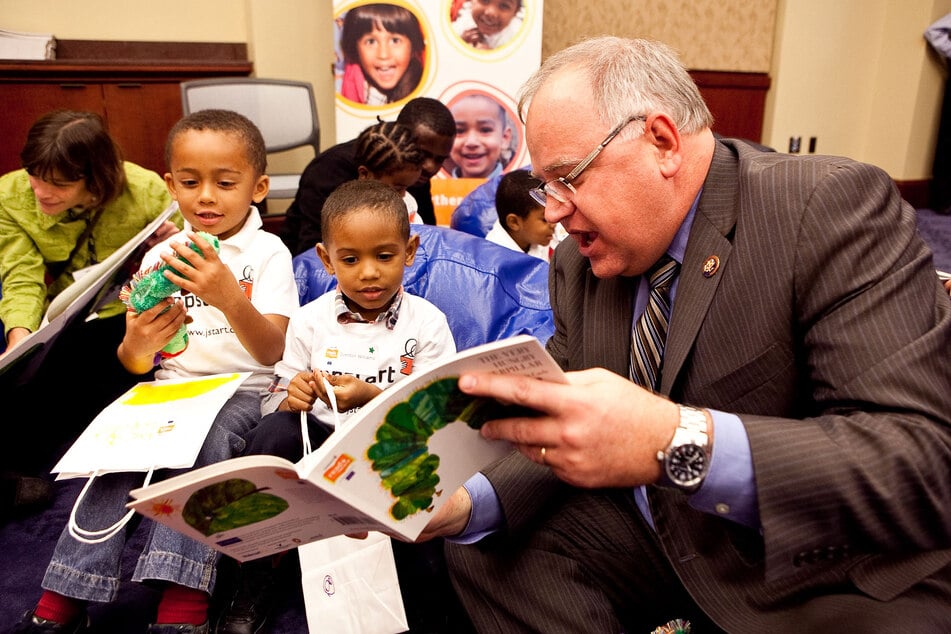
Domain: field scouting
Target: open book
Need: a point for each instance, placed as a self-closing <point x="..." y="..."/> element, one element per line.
<point x="389" y="467"/>
<point x="98" y="286"/>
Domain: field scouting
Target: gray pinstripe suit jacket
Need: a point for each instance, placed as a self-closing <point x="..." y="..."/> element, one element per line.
<point x="826" y="330"/>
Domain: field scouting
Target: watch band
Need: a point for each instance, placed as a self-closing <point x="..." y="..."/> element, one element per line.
<point x="685" y="461"/>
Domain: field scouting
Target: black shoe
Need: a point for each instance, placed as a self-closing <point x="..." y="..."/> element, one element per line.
<point x="178" y="628"/>
<point x="32" y="624"/>
<point x="253" y="598"/>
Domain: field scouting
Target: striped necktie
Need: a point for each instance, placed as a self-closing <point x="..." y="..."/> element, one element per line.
<point x="650" y="331"/>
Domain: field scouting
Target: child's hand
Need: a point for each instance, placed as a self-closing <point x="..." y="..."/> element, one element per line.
<point x="473" y="37"/>
<point x="204" y="275"/>
<point x="349" y="391"/>
<point x="166" y="230"/>
<point x="149" y="331"/>
<point x="302" y="392"/>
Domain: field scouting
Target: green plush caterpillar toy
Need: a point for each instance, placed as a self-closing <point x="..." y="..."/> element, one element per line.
<point x="149" y="286"/>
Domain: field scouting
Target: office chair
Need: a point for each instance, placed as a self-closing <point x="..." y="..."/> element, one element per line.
<point x="284" y="111"/>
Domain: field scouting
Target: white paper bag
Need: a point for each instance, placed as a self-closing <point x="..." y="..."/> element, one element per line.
<point x="351" y="586"/>
<point x="154" y="425"/>
<point x="158" y="424"/>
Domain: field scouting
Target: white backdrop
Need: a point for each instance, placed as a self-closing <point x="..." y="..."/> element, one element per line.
<point x="450" y="69"/>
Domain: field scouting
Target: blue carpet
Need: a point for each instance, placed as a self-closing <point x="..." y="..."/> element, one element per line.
<point x="935" y="229"/>
<point x="26" y="546"/>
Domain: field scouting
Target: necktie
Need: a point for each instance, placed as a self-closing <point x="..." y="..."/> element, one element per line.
<point x="650" y="331"/>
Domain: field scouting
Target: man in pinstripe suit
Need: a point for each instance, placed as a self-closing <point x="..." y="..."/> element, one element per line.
<point x="806" y="370"/>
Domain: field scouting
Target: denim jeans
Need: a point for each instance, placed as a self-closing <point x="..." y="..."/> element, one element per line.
<point x="91" y="571"/>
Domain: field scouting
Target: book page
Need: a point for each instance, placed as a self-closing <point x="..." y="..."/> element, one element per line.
<point x="248" y="507"/>
<point x="413" y="445"/>
<point x="96" y="277"/>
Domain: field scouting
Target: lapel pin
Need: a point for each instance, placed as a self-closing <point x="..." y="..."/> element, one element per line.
<point x="710" y="266"/>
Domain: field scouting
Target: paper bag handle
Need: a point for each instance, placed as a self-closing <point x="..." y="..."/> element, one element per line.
<point x="303" y="416"/>
<point x="98" y="536"/>
<point x="333" y="402"/>
<point x="304" y="433"/>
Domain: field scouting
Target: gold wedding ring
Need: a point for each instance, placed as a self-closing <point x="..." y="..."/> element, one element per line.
<point x="541" y="454"/>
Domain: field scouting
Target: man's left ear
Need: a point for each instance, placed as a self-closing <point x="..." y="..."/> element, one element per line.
<point x="411" y="246"/>
<point x="261" y="188"/>
<point x="665" y="137"/>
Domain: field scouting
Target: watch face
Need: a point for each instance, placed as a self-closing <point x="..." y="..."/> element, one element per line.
<point x="687" y="464"/>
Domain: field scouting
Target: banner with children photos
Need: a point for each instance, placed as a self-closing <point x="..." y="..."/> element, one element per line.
<point x="473" y="55"/>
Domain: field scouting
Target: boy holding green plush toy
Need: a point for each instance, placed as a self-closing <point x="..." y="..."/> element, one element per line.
<point x="149" y="287"/>
<point x="231" y="285"/>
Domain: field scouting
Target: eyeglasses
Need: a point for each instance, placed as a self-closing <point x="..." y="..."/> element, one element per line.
<point x="561" y="188"/>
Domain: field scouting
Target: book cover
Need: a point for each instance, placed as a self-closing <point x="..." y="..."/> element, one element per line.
<point x="387" y="469"/>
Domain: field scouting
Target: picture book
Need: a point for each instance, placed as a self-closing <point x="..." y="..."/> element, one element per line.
<point x="387" y="469"/>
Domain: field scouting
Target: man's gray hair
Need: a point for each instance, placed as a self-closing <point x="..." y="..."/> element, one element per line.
<point x="628" y="77"/>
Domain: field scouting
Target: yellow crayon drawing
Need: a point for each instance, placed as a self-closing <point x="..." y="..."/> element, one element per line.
<point x="154" y="393"/>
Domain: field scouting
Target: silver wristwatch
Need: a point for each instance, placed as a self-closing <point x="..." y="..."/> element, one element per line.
<point x="685" y="462"/>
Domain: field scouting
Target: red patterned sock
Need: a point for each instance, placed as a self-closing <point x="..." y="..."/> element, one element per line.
<point x="182" y="605"/>
<point x="56" y="607"/>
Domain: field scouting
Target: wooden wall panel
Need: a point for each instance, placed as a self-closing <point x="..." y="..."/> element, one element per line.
<point x="737" y="101"/>
<point x="727" y="35"/>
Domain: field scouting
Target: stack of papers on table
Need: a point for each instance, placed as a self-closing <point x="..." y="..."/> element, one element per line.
<point x="19" y="45"/>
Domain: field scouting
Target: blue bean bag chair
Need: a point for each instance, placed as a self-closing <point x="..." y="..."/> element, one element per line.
<point x="476" y="213"/>
<point x="487" y="291"/>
